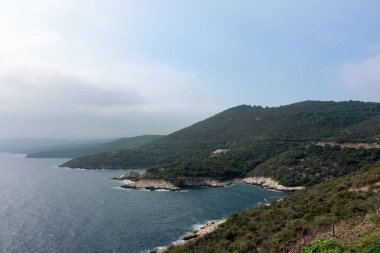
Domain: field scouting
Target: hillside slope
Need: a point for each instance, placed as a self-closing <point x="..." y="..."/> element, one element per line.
<point x="88" y="149"/>
<point x="250" y="134"/>
<point x="298" y="216"/>
<point x="305" y="166"/>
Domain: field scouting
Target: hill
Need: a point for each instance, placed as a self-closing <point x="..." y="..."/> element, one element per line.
<point x="34" y="145"/>
<point x="300" y="219"/>
<point x="94" y="148"/>
<point x="314" y="163"/>
<point x="248" y="136"/>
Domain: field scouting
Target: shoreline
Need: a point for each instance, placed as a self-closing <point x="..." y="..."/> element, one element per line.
<point x="205" y="229"/>
<point x="270" y="183"/>
<point x="151" y="185"/>
<point x="138" y="181"/>
<point x="159" y="184"/>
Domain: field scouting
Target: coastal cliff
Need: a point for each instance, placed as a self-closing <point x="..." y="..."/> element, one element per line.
<point x="270" y="183"/>
<point x="140" y="181"/>
<point x="149" y="184"/>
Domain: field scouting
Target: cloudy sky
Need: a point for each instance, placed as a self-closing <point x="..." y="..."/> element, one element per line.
<point x="109" y="68"/>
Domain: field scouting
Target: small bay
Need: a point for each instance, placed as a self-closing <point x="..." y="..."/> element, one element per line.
<point x="44" y="208"/>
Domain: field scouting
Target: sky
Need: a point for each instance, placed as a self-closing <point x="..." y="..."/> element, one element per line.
<point x="115" y="68"/>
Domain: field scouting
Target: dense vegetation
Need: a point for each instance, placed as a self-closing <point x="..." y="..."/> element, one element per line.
<point x="235" y="163"/>
<point x="94" y="148"/>
<point x="311" y="164"/>
<point x="369" y="243"/>
<point x="268" y="229"/>
<point x="252" y="135"/>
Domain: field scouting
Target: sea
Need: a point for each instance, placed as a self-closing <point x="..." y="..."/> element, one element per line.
<point x="46" y="208"/>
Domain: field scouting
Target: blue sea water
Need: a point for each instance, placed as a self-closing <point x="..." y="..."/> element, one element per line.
<point x="44" y="208"/>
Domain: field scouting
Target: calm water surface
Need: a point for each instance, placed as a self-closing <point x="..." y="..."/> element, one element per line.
<point x="44" y="208"/>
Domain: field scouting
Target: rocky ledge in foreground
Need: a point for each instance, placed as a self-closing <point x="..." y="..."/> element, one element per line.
<point x="150" y="184"/>
<point x="206" y="229"/>
<point x="270" y="183"/>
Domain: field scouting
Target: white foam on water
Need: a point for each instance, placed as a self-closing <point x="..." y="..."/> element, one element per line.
<point x="198" y="226"/>
<point x="126" y="181"/>
<point x="161" y="190"/>
<point x="273" y="190"/>
<point x="119" y="188"/>
<point x="178" y="242"/>
<point x="143" y="190"/>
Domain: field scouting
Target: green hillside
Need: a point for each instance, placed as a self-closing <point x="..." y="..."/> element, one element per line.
<point x="312" y="164"/>
<point x="299" y="216"/>
<point x="88" y="149"/>
<point x="252" y="135"/>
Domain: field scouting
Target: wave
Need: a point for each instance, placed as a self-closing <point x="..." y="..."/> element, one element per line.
<point x="198" y="226"/>
<point x="273" y="190"/>
<point x="126" y="181"/>
<point x="161" y="190"/>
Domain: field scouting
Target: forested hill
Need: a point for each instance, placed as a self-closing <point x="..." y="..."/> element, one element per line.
<point x="94" y="148"/>
<point x="250" y="134"/>
<point x="308" y="120"/>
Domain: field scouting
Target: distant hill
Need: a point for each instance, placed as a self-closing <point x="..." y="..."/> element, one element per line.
<point x="33" y="145"/>
<point x="250" y="135"/>
<point x="94" y="148"/>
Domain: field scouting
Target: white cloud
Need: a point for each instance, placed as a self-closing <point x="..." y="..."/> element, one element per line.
<point x="129" y="95"/>
<point x="47" y="89"/>
<point x="362" y="79"/>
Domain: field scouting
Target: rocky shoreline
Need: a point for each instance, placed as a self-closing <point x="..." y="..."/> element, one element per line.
<point x="139" y="182"/>
<point x="204" y="230"/>
<point x="270" y="184"/>
<point x="151" y="185"/>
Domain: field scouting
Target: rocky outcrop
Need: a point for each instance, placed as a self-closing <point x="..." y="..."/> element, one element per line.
<point x="181" y="182"/>
<point x="200" y="181"/>
<point x="208" y="228"/>
<point x="270" y="183"/>
<point x="218" y="152"/>
<point x="149" y="184"/>
<point x="350" y="145"/>
<point x="131" y="176"/>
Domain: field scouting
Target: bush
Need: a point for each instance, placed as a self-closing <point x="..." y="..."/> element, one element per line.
<point x="326" y="246"/>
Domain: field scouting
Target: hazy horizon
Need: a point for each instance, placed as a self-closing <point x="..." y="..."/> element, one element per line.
<point x="106" y="69"/>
